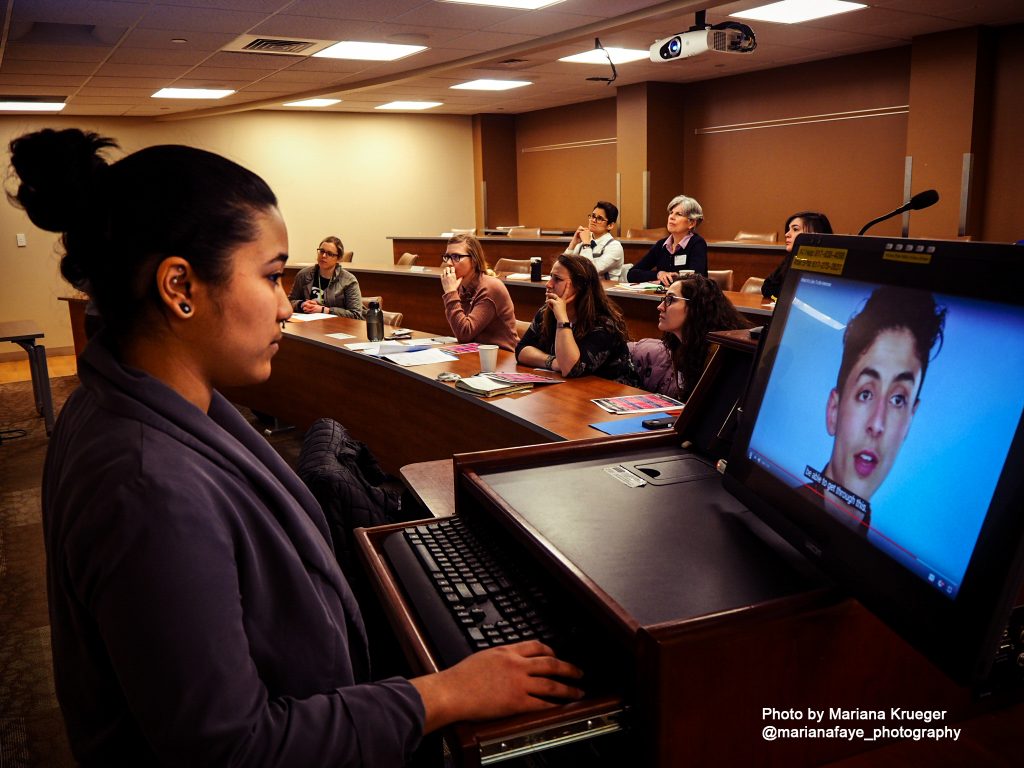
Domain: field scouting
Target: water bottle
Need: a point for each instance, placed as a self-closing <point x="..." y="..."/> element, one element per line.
<point x="374" y="322"/>
<point x="535" y="266"/>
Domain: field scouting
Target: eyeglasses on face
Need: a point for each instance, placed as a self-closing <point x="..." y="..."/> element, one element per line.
<point x="322" y="252"/>
<point x="454" y="258"/>
<point x="595" y="217"/>
<point x="670" y="298"/>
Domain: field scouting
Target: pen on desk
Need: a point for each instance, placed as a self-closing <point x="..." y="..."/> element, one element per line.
<point x="774" y="299"/>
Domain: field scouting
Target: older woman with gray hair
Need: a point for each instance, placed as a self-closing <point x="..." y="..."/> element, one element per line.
<point x="682" y="251"/>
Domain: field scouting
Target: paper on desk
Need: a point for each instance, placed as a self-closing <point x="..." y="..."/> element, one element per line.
<point x="381" y="348"/>
<point x="299" y="317"/>
<point x="639" y="286"/>
<point x="524" y="276"/>
<point x="417" y="268"/>
<point x="340" y="336"/>
<point x="419" y="357"/>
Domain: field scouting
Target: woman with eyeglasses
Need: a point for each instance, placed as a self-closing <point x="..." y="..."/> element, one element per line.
<point x="681" y="252"/>
<point x="594" y="240"/>
<point x="693" y="307"/>
<point x="327" y="286"/>
<point x="476" y="303"/>
<point x="579" y="331"/>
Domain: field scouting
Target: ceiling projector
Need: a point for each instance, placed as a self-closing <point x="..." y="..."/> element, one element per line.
<point x="699" y="41"/>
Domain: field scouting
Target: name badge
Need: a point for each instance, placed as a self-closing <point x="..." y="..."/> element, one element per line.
<point x="680" y="260"/>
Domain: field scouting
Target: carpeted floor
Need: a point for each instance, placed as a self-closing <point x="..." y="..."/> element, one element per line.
<point x="31" y="728"/>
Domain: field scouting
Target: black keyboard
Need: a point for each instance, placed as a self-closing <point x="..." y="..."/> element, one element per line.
<point x="466" y="592"/>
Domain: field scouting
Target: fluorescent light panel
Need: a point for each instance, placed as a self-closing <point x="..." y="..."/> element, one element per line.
<point x="313" y="103"/>
<point x="596" y="56"/>
<point x="191" y="93"/>
<point x="796" y="11"/>
<point x="521" y="5"/>
<point x="410" y="105"/>
<point x="491" y="85"/>
<point x="31" y="106"/>
<point x="361" y="51"/>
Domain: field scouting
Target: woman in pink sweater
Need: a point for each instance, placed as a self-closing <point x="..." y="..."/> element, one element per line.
<point x="477" y="304"/>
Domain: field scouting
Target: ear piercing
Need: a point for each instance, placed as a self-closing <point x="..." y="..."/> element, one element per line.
<point x="185" y="308"/>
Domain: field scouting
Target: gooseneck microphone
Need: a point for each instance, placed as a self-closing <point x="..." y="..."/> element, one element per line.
<point x="921" y="200"/>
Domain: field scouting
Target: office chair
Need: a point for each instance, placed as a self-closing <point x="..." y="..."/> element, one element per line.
<point x="368" y="299"/>
<point x="524" y="232"/>
<point x="347" y="256"/>
<point x="407" y="259"/>
<point x="723" y="277"/>
<point x="394" y="319"/>
<point x="521" y="327"/>
<point x="755" y="237"/>
<point x="752" y="285"/>
<point x="657" y="233"/>
<point x="513" y="265"/>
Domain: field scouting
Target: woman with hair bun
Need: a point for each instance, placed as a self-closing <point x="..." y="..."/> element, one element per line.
<point x="198" y="615"/>
<point x="693" y="307"/>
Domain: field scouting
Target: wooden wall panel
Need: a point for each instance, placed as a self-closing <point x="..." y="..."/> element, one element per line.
<point x="772" y="155"/>
<point x="559" y="184"/>
<point x="1002" y="219"/>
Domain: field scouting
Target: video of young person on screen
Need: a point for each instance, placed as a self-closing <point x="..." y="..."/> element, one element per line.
<point x="892" y="409"/>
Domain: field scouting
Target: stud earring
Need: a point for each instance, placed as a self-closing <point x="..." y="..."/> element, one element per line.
<point x="186" y="309"/>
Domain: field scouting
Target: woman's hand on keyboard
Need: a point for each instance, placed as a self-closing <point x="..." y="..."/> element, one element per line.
<point x="498" y="682"/>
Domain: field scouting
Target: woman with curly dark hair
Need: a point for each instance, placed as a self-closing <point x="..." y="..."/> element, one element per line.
<point x="693" y="307"/>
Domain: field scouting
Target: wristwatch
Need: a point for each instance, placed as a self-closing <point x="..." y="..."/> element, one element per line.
<point x="566" y="324"/>
<point x="588" y="245"/>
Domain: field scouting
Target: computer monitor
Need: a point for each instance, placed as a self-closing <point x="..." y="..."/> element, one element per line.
<point x="882" y="433"/>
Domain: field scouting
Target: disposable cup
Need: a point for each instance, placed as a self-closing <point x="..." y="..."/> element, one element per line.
<point x="488" y="357"/>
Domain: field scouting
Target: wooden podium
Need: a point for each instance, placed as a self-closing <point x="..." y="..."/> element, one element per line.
<point x="739" y="625"/>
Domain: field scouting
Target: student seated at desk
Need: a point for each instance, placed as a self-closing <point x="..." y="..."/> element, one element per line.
<point x="476" y="303"/>
<point x="594" y="239"/>
<point x="683" y="249"/>
<point x="327" y="286"/>
<point x="693" y="307"/>
<point x="805" y="221"/>
<point x="579" y="330"/>
<point x="198" y="614"/>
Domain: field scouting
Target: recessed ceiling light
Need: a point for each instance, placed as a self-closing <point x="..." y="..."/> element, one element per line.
<point x="522" y="5"/>
<point x="596" y="56"/>
<point x="410" y="105"/>
<point x="313" y="103"/>
<point x="191" y="93"/>
<point x="17" y="105"/>
<point x="795" y="11"/>
<point x="353" y="49"/>
<point x="491" y="85"/>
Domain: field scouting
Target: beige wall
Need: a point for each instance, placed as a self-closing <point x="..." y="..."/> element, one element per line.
<point x="362" y="177"/>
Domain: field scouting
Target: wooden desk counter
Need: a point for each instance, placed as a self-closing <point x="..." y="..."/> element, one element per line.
<point x="416" y="293"/>
<point x="744" y="259"/>
<point x="404" y="414"/>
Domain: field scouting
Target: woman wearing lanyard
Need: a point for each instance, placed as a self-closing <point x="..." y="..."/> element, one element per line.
<point x="682" y="251"/>
<point x="327" y="286"/>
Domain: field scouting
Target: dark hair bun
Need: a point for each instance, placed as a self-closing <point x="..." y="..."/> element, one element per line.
<point x="57" y="171"/>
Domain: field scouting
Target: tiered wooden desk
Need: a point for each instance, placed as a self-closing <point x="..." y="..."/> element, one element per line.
<point x="744" y="259"/>
<point x="28" y="336"/>
<point x="404" y="414"/>
<point x="416" y="292"/>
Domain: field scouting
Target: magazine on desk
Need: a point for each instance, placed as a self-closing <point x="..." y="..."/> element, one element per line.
<point x="637" y="403"/>
<point x="484" y="386"/>
<point x="515" y="377"/>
